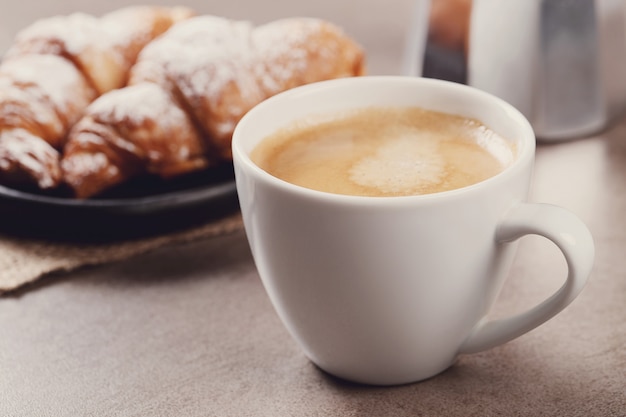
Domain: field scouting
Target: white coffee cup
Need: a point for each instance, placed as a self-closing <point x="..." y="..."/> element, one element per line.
<point x="390" y="290"/>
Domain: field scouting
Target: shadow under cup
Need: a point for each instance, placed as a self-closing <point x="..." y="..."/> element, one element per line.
<point x="388" y="290"/>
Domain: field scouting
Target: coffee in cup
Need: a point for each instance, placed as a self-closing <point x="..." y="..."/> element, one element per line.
<point x="384" y="151"/>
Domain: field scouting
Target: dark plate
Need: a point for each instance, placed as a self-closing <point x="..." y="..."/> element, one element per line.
<point x="143" y="207"/>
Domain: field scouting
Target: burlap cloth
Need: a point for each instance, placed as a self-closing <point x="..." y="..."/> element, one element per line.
<point x="23" y="261"/>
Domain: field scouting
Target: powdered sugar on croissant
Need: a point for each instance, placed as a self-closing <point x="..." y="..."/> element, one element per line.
<point x="207" y="63"/>
<point x="54" y="69"/>
<point x="44" y="93"/>
<point x="102" y="48"/>
<point x="37" y="108"/>
<point x="129" y="131"/>
<point x="222" y="68"/>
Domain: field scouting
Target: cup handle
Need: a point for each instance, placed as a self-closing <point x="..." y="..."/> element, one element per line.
<point x="574" y="240"/>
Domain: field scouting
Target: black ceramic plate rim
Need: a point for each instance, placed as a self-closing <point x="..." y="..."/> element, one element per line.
<point x="179" y="196"/>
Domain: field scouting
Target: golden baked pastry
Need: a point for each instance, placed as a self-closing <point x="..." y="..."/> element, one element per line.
<point x="133" y="130"/>
<point x="206" y="72"/>
<point x="53" y="70"/>
<point x="41" y="97"/>
<point x="102" y="48"/>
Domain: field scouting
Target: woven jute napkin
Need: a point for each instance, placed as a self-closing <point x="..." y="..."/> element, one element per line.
<point x="24" y="261"/>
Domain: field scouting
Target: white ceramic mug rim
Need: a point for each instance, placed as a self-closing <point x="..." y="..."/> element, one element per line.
<point x="526" y="149"/>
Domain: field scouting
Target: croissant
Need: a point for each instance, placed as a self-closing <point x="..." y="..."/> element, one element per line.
<point x="206" y="72"/>
<point x="41" y="97"/>
<point x="103" y="48"/>
<point x="54" y="69"/>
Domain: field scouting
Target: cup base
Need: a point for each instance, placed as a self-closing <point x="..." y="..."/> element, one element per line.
<point x="387" y="380"/>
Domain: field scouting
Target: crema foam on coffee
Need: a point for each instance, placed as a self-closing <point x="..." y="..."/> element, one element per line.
<point x="385" y="151"/>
